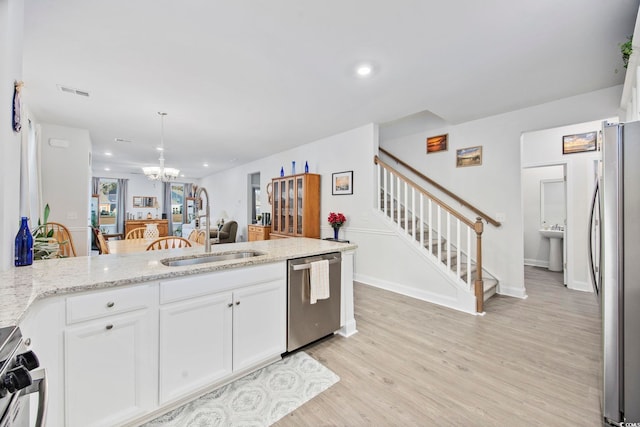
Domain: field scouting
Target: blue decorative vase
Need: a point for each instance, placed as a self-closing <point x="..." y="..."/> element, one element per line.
<point x="24" y="245"/>
<point x="306" y="167"/>
<point x="335" y="232"/>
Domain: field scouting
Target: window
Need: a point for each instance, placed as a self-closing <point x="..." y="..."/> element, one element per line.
<point x="177" y="204"/>
<point x="108" y="204"/>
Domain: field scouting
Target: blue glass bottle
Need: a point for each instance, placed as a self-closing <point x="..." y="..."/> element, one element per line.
<point x="24" y="245"/>
<point x="306" y="167"/>
<point x="282" y="171"/>
<point x="293" y="168"/>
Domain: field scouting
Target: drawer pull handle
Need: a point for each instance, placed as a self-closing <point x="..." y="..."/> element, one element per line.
<point x="111" y="304"/>
<point x="109" y="327"/>
<point x="237" y="302"/>
<point x="230" y="304"/>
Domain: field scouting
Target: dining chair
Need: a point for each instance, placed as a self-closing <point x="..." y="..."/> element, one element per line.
<point x="103" y="247"/>
<point x="61" y="234"/>
<point x="202" y="235"/>
<point x="169" y="242"/>
<point x="136" y="233"/>
<point x="193" y="236"/>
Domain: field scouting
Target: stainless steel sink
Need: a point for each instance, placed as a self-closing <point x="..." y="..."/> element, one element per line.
<point x="202" y="259"/>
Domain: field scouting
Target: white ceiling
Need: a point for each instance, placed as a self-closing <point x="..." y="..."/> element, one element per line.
<point x="244" y="79"/>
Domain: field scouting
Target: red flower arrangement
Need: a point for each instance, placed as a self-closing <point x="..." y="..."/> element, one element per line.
<point x="336" y="219"/>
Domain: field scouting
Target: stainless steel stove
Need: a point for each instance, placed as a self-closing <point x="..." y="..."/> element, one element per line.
<point x="20" y="378"/>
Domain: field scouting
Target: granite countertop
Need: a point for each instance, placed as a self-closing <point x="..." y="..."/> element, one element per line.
<point x="21" y="286"/>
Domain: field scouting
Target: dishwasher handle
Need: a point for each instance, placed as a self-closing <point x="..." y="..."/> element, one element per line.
<point x="307" y="265"/>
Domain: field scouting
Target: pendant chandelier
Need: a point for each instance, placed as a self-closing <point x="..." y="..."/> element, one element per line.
<point x="161" y="173"/>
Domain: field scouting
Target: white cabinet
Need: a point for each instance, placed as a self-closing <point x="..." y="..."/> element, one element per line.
<point x="259" y="323"/>
<point x="216" y="325"/>
<point x="110" y="373"/>
<point x="195" y="344"/>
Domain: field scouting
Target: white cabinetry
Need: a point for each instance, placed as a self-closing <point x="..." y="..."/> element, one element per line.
<point x="110" y="374"/>
<point x="259" y="323"/>
<point x="195" y="344"/>
<point x="219" y="324"/>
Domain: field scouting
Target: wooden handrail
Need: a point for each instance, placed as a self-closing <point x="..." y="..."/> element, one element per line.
<point x="444" y="190"/>
<point x="448" y="208"/>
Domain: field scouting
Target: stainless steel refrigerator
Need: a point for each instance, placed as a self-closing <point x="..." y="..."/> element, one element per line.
<point x="617" y="282"/>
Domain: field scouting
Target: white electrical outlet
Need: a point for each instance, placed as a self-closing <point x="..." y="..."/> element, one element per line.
<point x="500" y="216"/>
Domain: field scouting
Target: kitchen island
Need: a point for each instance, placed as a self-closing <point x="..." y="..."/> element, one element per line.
<point x="153" y="336"/>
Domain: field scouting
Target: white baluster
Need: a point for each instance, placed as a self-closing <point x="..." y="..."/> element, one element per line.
<point x="421" y="220"/>
<point x="448" y="241"/>
<point x="469" y="256"/>
<point x="458" y="252"/>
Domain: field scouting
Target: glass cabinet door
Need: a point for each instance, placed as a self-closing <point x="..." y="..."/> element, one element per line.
<point x="290" y="205"/>
<point x="299" y="199"/>
<point x="283" y="206"/>
<point x="276" y="204"/>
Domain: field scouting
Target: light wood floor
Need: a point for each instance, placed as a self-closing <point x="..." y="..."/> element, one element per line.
<point x="526" y="362"/>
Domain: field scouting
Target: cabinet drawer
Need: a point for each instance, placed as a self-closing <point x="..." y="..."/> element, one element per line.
<point x="100" y="304"/>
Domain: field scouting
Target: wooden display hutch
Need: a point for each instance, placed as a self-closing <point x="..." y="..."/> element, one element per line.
<point x="296" y="206"/>
<point x="163" y="225"/>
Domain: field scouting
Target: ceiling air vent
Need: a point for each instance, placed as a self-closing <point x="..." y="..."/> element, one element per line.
<point x="74" y="91"/>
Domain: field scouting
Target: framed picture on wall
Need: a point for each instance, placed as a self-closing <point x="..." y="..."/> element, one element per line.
<point x="437" y="143"/>
<point x="342" y="183"/>
<point x="470" y="156"/>
<point x="579" y="143"/>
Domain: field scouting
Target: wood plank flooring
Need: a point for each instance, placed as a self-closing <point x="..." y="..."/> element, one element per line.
<point x="532" y="362"/>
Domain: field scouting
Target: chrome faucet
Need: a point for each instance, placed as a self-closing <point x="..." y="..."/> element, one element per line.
<point x="207" y="215"/>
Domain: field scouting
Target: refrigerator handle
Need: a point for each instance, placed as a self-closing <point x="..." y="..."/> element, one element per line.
<point x="592" y="268"/>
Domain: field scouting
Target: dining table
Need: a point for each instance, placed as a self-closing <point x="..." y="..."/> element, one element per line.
<point x="127" y="246"/>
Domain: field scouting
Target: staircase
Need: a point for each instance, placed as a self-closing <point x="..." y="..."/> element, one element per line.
<point x="437" y="246"/>
<point x="444" y="235"/>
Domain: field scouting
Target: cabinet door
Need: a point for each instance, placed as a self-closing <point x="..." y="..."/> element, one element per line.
<point x="259" y="323"/>
<point x="195" y="344"/>
<point x="290" y="206"/>
<point x="110" y="374"/>
<point x="299" y="205"/>
<point x="276" y="206"/>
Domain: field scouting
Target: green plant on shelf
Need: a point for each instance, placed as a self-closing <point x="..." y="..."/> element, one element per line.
<point x="626" y="49"/>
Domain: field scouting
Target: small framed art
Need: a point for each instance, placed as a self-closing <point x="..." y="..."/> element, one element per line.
<point x="437" y="143"/>
<point x="580" y="142"/>
<point x="470" y="156"/>
<point x="342" y="183"/>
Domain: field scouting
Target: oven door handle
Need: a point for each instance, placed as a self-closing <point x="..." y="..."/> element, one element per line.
<point x="39" y="385"/>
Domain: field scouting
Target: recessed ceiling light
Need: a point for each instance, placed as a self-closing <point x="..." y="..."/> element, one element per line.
<point x="364" y="70"/>
<point x="159" y="148"/>
<point x="121" y="140"/>
<point x="182" y="175"/>
<point x="107" y="169"/>
<point x="108" y="153"/>
<point x="206" y="165"/>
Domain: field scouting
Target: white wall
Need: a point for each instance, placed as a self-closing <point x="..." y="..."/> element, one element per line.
<point x="66" y="181"/>
<point x="495" y="185"/>
<point x="352" y="150"/>
<point x="536" y="247"/>
<point x="545" y="147"/>
<point x="11" y="32"/>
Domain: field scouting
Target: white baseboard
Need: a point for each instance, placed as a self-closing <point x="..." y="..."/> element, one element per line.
<point x="536" y="262"/>
<point x="512" y="292"/>
<point x="580" y="286"/>
<point x="443" y="300"/>
<point x="348" y="329"/>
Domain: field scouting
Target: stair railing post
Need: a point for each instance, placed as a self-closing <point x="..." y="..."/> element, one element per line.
<point x="479" y="283"/>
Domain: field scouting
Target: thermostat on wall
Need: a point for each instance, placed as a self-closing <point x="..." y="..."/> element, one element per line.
<point x="59" y="143"/>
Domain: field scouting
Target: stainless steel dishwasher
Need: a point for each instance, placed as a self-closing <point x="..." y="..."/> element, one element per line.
<point x="308" y="322"/>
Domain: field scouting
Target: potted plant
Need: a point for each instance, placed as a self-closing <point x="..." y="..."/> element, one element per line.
<point x="626" y="49"/>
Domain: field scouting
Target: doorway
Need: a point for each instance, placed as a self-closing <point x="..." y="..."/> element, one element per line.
<point x="544" y="190"/>
<point x="254" y="205"/>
